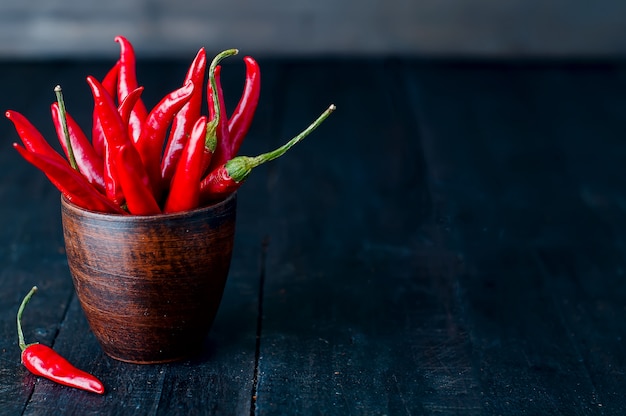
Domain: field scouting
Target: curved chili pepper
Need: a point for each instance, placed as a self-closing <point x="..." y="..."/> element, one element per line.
<point x="42" y="360"/>
<point x="184" y="121"/>
<point x="226" y="179"/>
<point x="154" y="129"/>
<point x="115" y="135"/>
<point x="109" y="82"/>
<point x="185" y="187"/>
<point x="89" y="163"/>
<point x="241" y="119"/>
<point x="70" y="182"/>
<point x="113" y="127"/>
<point x="126" y="107"/>
<point x="32" y="139"/>
<point x="135" y="184"/>
<point x="218" y="113"/>
<point x="127" y="82"/>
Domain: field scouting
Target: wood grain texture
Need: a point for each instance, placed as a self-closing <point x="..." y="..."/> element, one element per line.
<point x="450" y="241"/>
<point x="150" y="286"/>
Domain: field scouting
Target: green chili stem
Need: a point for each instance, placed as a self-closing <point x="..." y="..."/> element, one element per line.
<point x="20" y="311"/>
<point x="240" y="167"/>
<point x="212" y="125"/>
<point x="66" y="133"/>
<point x="210" y="140"/>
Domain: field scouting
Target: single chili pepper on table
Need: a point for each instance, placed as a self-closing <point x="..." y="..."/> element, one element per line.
<point x="184" y="120"/>
<point x="184" y="191"/>
<point x="241" y="119"/>
<point x="42" y="360"/>
<point x="226" y="179"/>
<point x="127" y="82"/>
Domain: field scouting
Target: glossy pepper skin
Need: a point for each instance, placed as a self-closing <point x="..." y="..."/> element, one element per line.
<point x="241" y="118"/>
<point x="128" y="167"/>
<point x="32" y="139"/>
<point x="43" y="361"/>
<point x="115" y="136"/>
<point x="127" y="83"/>
<point x="154" y="130"/>
<point x="109" y="83"/>
<point x="184" y="192"/>
<point x="70" y="182"/>
<point x="135" y="183"/>
<point x="89" y="163"/>
<point x="184" y="121"/>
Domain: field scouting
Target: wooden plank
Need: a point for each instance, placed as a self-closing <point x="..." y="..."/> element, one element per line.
<point x="448" y="242"/>
<point x="588" y="266"/>
<point x="31" y="247"/>
<point x="523" y="339"/>
<point x="360" y="311"/>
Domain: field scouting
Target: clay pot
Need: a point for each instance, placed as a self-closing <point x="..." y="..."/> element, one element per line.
<point x="150" y="286"/>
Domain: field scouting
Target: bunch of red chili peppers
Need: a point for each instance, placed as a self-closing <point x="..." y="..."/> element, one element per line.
<point x="169" y="159"/>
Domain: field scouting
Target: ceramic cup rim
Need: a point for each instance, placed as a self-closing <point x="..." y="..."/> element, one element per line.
<point x="108" y="216"/>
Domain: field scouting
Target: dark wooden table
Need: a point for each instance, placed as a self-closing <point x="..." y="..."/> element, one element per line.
<point x="451" y="241"/>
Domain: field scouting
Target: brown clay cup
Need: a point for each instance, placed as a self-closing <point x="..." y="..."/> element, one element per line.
<point x="150" y="286"/>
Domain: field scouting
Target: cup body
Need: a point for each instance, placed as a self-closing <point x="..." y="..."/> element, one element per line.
<point x="150" y="286"/>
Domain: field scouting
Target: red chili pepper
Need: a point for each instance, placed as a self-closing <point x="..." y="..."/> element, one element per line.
<point x="31" y="137"/>
<point x="126" y="107"/>
<point x="87" y="160"/>
<point x="154" y="130"/>
<point x="184" y="121"/>
<point x="115" y="134"/>
<point x="69" y="181"/>
<point x="42" y="360"/>
<point x="109" y="82"/>
<point x="223" y="137"/>
<point x="217" y="129"/>
<point x="241" y="119"/>
<point x="227" y="178"/>
<point x="135" y="184"/>
<point x="184" y="192"/>
<point x="127" y="82"/>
